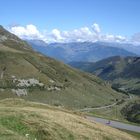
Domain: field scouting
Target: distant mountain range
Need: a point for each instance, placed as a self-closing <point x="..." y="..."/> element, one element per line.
<point x="83" y="51"/>
<point x="122" y="72"/>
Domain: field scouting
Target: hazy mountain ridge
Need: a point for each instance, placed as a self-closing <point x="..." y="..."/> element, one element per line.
<point x="79" y="51"/>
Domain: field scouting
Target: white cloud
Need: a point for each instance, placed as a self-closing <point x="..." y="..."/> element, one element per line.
<point x="27" y="32"/>
<point x="113" y="38"/>
<point x="136" y="38"/>
<point x="83" y="34"/>
<point x="96" y="28"/>
<point x="56" y="34"/>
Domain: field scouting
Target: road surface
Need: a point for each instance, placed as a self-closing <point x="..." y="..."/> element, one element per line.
<point x="101" y="107"/>
<point x="115" y="124"/>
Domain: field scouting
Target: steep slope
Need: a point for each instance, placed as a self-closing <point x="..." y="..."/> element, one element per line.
<point x="35" y="77"/>
<point x="12" y="41"/>
<point x="123" y="71"/>
<point x="85" y="51"/>
<point x="28" y="120"/>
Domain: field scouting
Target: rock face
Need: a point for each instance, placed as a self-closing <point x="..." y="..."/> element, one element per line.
<point x="23" y="84"/>
<point x="28" y="83"/>
<point x="3" y="38"/>
<point x="20" y="92"/>
<point x="2" y="72"/>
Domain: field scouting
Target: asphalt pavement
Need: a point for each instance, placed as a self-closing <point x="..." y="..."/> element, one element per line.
<point x="115" y="124"/>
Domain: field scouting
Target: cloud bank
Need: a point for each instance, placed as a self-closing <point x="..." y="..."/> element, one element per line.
<point x="136" y="38"/>
<point x="27" y="32"/>
<point x="82" y="34"/>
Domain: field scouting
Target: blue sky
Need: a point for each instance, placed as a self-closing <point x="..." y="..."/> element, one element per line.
<point x="118" y="17"/>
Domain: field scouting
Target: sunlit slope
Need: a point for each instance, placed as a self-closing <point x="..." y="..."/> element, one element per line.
<point x="23" y="120"/>
<point x="35" y="77"/>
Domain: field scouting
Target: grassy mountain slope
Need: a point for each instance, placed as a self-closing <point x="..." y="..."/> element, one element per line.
<point x="28" y="120"/>
<point x="35" y="77"/>
<point x="124" y="72"/>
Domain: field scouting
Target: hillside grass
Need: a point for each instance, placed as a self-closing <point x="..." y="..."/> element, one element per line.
<point x="79" y="89"/>
<point x="20" y="119"/>
<point x="135" y="134"/>
<point x="122" y="72"/>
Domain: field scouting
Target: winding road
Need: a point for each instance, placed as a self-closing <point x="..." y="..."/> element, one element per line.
<point x="101" y="107"/>
<point x="115" y="124"/>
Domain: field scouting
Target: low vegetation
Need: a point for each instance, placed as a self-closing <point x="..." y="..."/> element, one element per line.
<point x="135" y="134"/>
<point x="132" y="112"/>
<point x="34" y="121"/>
